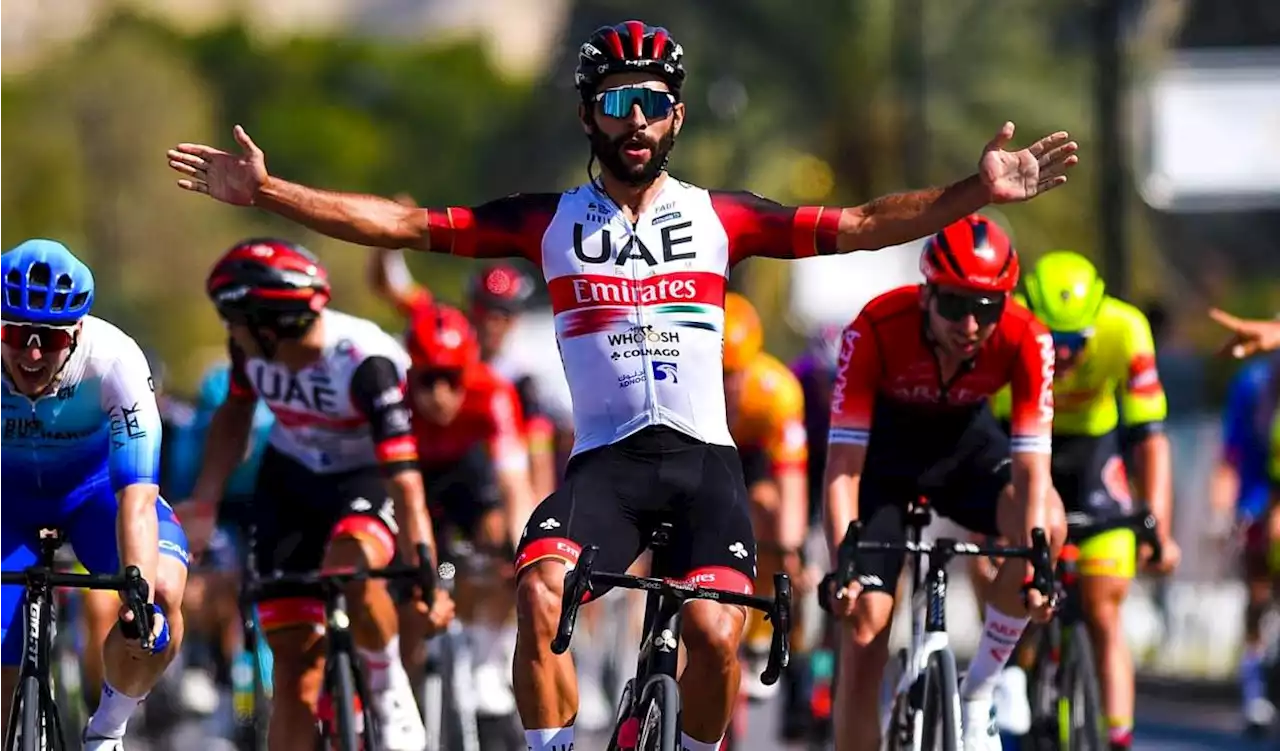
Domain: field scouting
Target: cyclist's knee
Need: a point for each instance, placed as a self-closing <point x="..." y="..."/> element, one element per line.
<point x="1055" y="522"/>
<point x="1102" y="599"/>
<point x="712" y="630"/>
<point x="297" y="662"/>
<point x="171" y="581"/>
<point x="538" y="593"/>
<point x="871" y="616"/>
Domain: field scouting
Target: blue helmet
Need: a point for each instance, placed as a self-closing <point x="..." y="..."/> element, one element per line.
<point x="45" y="284"/>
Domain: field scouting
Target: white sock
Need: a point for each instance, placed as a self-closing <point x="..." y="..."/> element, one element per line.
<point x="1000" y="634"/>
<point x="114" y="711"/>
<point x="383" y="667"/>
<point x="689" y="744"/>
<point x="549" y="739"/>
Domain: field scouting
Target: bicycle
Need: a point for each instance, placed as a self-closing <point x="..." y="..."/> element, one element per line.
<point x="448" y="696"/>
<point x="34" y="720"/>
<point x="654" y="712"/>
<point x="1064" y="690"/>
<point x="349" y="724"/>
<point x="923" y="710"/>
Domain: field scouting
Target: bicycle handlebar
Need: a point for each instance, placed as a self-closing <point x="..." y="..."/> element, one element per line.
<point x="847" y="557"/>
<point x="133" y="588"/>
<point x="423" y="574"/>
<point x="1142" y="523"/>
<point x="582" y="580"/>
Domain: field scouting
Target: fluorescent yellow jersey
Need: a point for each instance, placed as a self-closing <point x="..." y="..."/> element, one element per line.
<point x="770" y="415"/>
<point x="1118" y="362"/>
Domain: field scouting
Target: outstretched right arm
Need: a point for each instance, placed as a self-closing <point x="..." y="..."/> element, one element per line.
<point x="354" y="217"/>
<point x="511" y="226"/>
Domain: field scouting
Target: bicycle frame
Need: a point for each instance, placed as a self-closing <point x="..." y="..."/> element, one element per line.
<point x="928" y="618"/>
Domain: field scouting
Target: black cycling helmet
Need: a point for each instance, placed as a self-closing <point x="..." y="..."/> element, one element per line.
<point x="629" y="47"/>
<point x="269" y="284"/>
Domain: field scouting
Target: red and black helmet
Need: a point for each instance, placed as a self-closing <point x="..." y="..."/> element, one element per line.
<point x="629" y="47"/>
<point x="441" y="338"/>
<point x="973" y="253"/>
<point x="269" y="283"/>
<point x="500" y="287"/>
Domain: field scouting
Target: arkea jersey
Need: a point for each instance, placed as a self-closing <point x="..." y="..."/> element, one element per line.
<point x="100" y="417"/>
<point x="639" y="308"/>
<point x="888" y="369"/>
<point x="346" y="410"/>
<point x="490" y="417"/>
<point x="770" y="415"/>
<point x="1118" y="364"/>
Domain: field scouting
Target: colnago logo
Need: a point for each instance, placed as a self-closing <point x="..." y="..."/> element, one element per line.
<point x="644" y="335"/>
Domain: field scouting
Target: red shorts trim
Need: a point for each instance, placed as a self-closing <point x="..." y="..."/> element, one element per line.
<point x="367" y="529"/>
<point x="284" y="612"/>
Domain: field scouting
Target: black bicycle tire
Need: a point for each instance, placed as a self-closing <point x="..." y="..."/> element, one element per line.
<point x="1042" y="695"/>
<point x="622" y="713"/>
<point x="1082" y="668"/>
<point x="342" y="694"/>
<point x="261" y="704"/>
<point x="941" y="701"/>
<point x="439" y="669"/>
<point x="661" y="695"/>
<point x="32" y="716"/>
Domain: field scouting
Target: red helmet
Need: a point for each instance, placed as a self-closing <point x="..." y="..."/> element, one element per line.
<point x="440" y="338"/>
<point x="629" y="47"/>
<point x="973" y="253"/>
<point x="271" y="283"/>
<point x="500" y="287"/>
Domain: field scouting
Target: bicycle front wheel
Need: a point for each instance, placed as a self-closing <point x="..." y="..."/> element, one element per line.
<point x="343" y="693"/>
<point x="660" y="715"/>
<point x="941" y="731"/>
<point x="1080" y="725"/>
<point x="32" y="717"/>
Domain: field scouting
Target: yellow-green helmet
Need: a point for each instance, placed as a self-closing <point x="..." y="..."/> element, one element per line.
<point x="1065" y="291"/>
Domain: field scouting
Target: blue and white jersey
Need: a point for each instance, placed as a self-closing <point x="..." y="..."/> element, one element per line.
<point x="98" y="423"/>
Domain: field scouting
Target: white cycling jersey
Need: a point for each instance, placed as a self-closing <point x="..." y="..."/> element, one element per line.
<point x="343" y="412"/>
<point x="639" y="308"/>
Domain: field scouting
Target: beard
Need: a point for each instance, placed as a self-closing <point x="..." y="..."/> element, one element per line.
<point x="609" y="152"/>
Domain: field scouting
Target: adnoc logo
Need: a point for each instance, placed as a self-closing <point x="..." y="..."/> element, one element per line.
<point x="665" y="371"/>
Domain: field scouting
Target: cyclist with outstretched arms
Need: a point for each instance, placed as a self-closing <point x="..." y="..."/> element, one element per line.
<point x="910" y="417"/>
<point x="338" y="486"/>
<point x="81" y="453"/>
<point x="634" y="247"/>
<point x="1107" y="394"/>
<point x="474" y="458"/>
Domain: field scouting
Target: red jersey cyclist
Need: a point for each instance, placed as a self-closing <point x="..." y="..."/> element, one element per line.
<point x="474" y="456"/>
<point x="910" y="417"/>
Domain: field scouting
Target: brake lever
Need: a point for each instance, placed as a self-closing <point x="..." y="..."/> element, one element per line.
<point x="135" y="595"/>
<point x="780" y="649"/>
<point x="577" y="584"/>
<point x="1041" y="566"/>
<point x="426" y="574"/>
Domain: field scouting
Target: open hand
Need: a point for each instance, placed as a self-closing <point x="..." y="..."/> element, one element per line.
<point x="1247" y="337"/>
<point x="1012" y="176"/>
<point x="230" y="178"/>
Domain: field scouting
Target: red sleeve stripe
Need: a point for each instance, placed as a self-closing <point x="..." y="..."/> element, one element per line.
<point x="814" y="231"/>
<point x="452" y="231"/>
<point x="399" y="449"/>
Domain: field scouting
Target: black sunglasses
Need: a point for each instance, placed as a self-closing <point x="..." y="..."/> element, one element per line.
<point x="956" y="306"/>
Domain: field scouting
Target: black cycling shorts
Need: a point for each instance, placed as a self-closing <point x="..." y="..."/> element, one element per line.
<point x="459" y="494"/>
<point x="964" y="486"/>
<point x="756" y="466"/>
<point x="1088" y="472"/>
<point x="296" y="513"/>
<point x="615" y="496"/>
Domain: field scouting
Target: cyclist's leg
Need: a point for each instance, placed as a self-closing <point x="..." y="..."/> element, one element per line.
<point x="1107" y="565"/>
<point x="594" y="506"/>
<point x="18" y="551"/>
<point x="365" y="536"/>
<point x="91" y="530"/>
<point x="864" y="644"/>
<point x="99" y="610"/>
<point x="1259" y="591"/>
